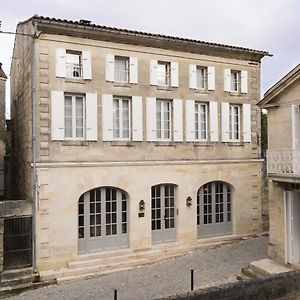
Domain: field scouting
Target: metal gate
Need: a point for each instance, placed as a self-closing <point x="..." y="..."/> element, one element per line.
<point x="17" y="244"/>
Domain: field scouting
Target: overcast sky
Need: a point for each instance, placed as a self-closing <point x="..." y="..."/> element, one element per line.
<point x="270" y="25"/>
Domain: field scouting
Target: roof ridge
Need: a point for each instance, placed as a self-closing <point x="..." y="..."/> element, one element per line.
<point x="143" y="33"/>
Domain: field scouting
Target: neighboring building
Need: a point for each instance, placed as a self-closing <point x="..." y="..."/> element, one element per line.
<point x="141" y="139"/>
<point x="283" y="161"/>
<point x="3" y="79"/>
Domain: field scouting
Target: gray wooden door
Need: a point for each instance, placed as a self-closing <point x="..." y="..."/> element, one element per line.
<point x="214" y="212"/>
<point x="163" y="212"/>
<point x="102" y="220"/>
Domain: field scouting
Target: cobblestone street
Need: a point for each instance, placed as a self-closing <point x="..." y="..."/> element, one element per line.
<point x="211" y="266"/>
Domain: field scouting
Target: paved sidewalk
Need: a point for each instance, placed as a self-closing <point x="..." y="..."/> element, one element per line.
<point x="211" y="266"/>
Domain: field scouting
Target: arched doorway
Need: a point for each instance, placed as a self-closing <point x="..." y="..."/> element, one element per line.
<point x="214" y="209"/>
<point x="163" y="213"/>
<point x="102" y="220"/>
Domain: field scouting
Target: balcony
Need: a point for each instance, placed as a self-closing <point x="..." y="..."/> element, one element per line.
<point x="283" y="162"/>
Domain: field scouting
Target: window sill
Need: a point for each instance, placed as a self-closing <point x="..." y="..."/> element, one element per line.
<point x="237" y="94"/>
<point x="122" y="84"/>
<point x="202" y="144"/>
<point x="206" y="92"/>
<point x="74" y="80"/>
<point x="164" y="144"/>
<point x="235" y="144"/>
<point x="165" y="88"/>
<point x="74" y="143"/>
<point x="122" y="144"/>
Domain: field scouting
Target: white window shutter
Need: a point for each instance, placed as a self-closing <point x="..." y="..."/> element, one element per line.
<point x="211" y="84"/>
<point x="133" y="70"/>
<point x="151" y="118"/>
<point x="244" y="82"/>
<point x="193" y="76"/>
<point x="227" y="80"/>
<point x="110" y="67"/>
<point x="178" y="120"/>
<point x="296" y="127"/>
<point x="153" y="72"/>
<point x="214" y="121"/>
<point x="137" y="119"/>
<point x="60" y="62"/>
<point x="57" y="115"/>
<point x="107" y="117"/>
<point x="247" y="123"/>
<point x="174" y="74"/>
<point x="91" y="117"/>
<point x="225" y="122"/>
<point x="86" y="65"/>
<point x="190" y="120"/>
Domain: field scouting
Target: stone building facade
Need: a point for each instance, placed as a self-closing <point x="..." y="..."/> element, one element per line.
<point x="141" y="139"/>
<point x="283" y="167"/>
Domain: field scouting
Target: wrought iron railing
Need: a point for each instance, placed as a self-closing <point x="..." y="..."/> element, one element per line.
<point x="283" y="162"/>
<point x="74" y="70"/>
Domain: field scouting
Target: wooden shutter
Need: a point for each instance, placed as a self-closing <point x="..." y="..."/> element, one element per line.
<point x="133" y="70"/>
<point x="57" y="115"/>
<point x="174" y="74"/>
<point x="178" y="120"/>
<point x="60" y="62"/>
<point x="107" y="117"/>
<point x="151" y="118"/>
<point x="214" y="121"/>
<point x="296" y="127"/>
<point x="247" y="123"/>
<point x="190" y="120"/>
<point x="153" y="72"/>
<point x="86" y="65"/>
<point x="227" y="80"/>
<point x="211" y="85"/>
<point x="244" y="82"/>
<point x="193" y="76"/>
<point x="91" y="117"/>
<point x="137" y="119"/>
<point x="225" y="122"/>
<point x="110" y="67"/>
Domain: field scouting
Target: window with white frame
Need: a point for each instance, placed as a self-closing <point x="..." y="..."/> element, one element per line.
<point x="163" y="119"/>
<point x="74" y="108"/>
<point x="163" y="73"/>
<point x="201" y="78"/>
<point x="235" y="81"/>
<point x="73" y="64"/>
<point x="121" y="69"/>
<point x="121" y="118"/>
<point x="200" y="121"/>
<point x="234" y="122"/>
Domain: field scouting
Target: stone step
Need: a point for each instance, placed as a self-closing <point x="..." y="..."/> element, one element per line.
<point x="268" y="266"/>
<point x="15" y="273"/>
<point x="251" y="273"/>
<point x="17" y="281"/>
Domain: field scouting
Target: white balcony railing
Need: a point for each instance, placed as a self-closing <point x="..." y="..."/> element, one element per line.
<point x="284" y="162"/>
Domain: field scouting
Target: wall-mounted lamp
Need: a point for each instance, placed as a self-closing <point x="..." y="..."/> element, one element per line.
<point x="188" y="201"/>
<point x="142" y="205"/>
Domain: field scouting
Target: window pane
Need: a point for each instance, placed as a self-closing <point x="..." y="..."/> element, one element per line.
<point x="121" y="69"/>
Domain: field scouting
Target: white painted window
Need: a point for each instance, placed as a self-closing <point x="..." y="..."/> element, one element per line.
<point x="121" y="69"/>
<point x="73" y="64"/>
<point x="200" y="121"/>
<point x="74" y="114"/>
<point x="121" y="118"/>
<point x="201" y="78"/>
<point x="234" y="122"/>
<point x="163" y="73"/>
<point x="163" y="119"/>
<point x="235" y="81"/>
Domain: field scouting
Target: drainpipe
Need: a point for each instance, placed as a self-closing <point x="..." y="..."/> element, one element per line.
<point x="33" y="181"/>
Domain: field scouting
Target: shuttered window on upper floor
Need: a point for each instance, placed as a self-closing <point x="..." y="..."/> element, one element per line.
<point x="201" y="78"/>
<point x="236" y="81"/>
<point x="121" y="69"/>
<point x="164" y="73"/>
<point x="73" y="64"/>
